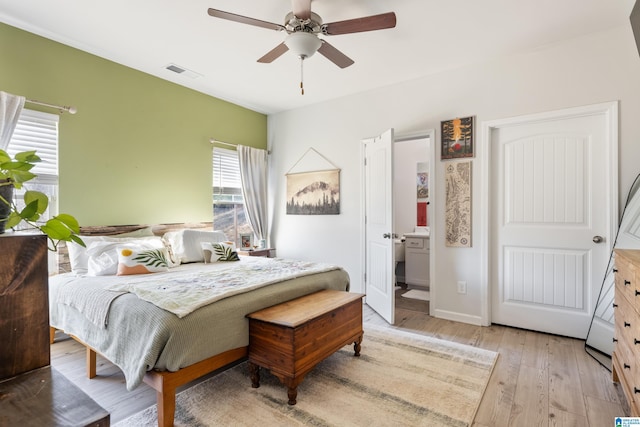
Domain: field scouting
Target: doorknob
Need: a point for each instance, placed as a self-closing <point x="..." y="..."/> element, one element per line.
<point x="598" y="239"/>
<point x="386" y="235"/>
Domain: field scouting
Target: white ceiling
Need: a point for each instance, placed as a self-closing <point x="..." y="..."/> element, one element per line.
<point x="431" y="36"/>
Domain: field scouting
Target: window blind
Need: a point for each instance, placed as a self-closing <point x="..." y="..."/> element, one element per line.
<point x="226" y="171"/>
<point x="38" y="131"/>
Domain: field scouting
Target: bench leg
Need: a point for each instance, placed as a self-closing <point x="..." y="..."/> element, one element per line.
<point x="357" y="347"/>
<point x="254" y="374"/>
<point x="291" y="383"/>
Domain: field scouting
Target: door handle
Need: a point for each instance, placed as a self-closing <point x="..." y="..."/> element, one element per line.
<point x="386" y="236"/>
<point x="598" y="239"/>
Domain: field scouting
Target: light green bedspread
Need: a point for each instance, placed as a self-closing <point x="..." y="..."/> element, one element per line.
<point x="140" y="336"/>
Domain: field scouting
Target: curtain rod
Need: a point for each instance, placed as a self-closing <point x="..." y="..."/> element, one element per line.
<point x="62" y="108"/>
<point x="215" y="141"/>
<point x="229" y="144"/>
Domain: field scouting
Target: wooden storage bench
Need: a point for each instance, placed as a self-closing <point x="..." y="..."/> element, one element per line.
<point x="291" y="338"/>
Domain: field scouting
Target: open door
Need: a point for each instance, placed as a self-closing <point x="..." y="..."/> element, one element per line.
<point x="379" y="256"/>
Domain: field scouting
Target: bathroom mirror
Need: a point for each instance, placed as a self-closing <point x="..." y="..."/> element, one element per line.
<point x="599" y="341"/>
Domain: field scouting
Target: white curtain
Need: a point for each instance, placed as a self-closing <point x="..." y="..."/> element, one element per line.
<point x="10" y="109"/>
<point x="253" y="172"/>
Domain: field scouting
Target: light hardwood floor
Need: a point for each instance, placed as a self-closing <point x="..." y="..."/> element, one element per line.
<point x="539" y="379"/>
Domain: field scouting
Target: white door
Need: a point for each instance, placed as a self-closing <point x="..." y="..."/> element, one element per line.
<point x="551" y="180"/>
<point x="379" y="256"/>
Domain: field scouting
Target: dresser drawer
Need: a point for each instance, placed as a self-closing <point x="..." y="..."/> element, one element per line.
<point x="414" y="243"/>
<point x="626" y="353"/>
<point x="625" y="278"/>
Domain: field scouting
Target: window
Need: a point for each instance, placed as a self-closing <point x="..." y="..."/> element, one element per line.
<point x="229" y="214"/>
<point x="38" y="131"/>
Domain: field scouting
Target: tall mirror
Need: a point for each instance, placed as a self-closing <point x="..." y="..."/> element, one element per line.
<point x="599" y="341"/>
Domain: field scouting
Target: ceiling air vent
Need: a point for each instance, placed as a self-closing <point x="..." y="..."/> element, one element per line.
<point x="182" y="71"/>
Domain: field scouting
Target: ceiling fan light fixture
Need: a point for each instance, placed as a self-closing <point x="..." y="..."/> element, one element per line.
<point x="303" y="44"/>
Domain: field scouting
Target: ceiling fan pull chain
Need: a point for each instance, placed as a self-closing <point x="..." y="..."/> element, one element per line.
<point x="301" y="75"/>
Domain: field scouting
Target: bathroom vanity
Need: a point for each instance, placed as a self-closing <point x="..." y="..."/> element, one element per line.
<point x="416" y="254"/>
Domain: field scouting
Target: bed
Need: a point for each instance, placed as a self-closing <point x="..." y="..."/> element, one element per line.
<point x="167" y="349"/>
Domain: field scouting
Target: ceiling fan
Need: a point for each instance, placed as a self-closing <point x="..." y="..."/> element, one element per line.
<point x="303" y="27"/>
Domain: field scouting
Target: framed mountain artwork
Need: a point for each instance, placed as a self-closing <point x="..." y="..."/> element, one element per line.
<point x="313" y="193"/>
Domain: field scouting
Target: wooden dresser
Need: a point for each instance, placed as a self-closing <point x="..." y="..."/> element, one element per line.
<point x="24" y="304"/>
<point x="626" y="352"/>
<point x="32" y="393"/>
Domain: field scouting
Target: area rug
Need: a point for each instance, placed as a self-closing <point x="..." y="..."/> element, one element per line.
<point x="417" y="294"/>
<point x="401" y="378"/>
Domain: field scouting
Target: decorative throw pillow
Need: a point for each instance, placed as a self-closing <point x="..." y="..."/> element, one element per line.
<point x="223" y="251"/>
<point x="103" y="255"/>
<point x="186" y="244"/>
<point x="79" y="257"/>
<point x="132" y="260"/>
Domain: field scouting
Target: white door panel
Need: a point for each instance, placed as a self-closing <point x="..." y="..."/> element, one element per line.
<point x="551" y="181"/>
<point x="380" y="274"/>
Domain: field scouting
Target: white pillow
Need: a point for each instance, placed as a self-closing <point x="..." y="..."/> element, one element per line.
<point x="103" y="256"/>
<point x="186" y="244"/>
<point x="134" y="260"/>
<point x="78" y="257"/>
<point x="222" y="251"/>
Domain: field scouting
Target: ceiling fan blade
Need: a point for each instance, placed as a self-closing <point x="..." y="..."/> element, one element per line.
<point x="334" y="55"/>
<point x="274" y="53"/>
<point x="244" y="19"/>
<point x="302" y="9"/>
<point x="359" y="25"/>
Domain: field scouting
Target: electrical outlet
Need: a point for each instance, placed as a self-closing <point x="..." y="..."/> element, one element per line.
<point x="462" y="287"/>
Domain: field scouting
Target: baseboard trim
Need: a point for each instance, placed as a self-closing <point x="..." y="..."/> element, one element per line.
<point x="457" y="317"/>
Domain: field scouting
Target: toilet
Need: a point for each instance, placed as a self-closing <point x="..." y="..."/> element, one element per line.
<point x="398" y="246"/>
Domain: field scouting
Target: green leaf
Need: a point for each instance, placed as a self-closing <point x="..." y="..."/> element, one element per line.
<point x="19" y="176"/>
<point x="28" y="156"/>
<point x="13" y="220"/>
<point x="4" y="156"/>
<point x="41" y="198"/>
<point x="69" y="221"/>
<point x="225" y="253"/>
<point x="152" y="258"/>
<point x="30" y="211"/>
<point x="16" y="166"/>
<point x="56" y="230"/>
<point x="78" y="240"/>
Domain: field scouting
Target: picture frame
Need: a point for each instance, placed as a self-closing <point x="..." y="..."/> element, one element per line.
<point x="457" y="139"/>
<point x="246" y="241"/>
<point x="422" y="183"/>
<point x="313" y="193"/>
<point x="458" y="227"/>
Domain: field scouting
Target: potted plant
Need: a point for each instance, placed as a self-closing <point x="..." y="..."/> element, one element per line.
<point x="13" y="174"/>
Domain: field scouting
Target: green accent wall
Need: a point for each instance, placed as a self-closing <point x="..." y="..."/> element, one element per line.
<point x="137" y="151"/>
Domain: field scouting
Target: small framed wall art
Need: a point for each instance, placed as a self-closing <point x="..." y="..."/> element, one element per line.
<point x="457" y="138"/>
<point x="246" y="241"/>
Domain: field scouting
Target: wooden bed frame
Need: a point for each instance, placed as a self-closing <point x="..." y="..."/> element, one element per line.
<point x="164" y="382"/>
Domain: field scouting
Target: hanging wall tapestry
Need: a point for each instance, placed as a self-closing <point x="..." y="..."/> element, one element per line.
<point x="458" y="204"/>
<point x="457" y="138"/>
<point x="313" y="192"/>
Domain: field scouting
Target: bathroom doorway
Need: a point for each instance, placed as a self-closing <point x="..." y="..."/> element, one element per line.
<point x="411" y="187"/>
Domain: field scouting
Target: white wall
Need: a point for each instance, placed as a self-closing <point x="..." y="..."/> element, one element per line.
<point x="587" y="70"/>
<point x="407" y="155"/>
